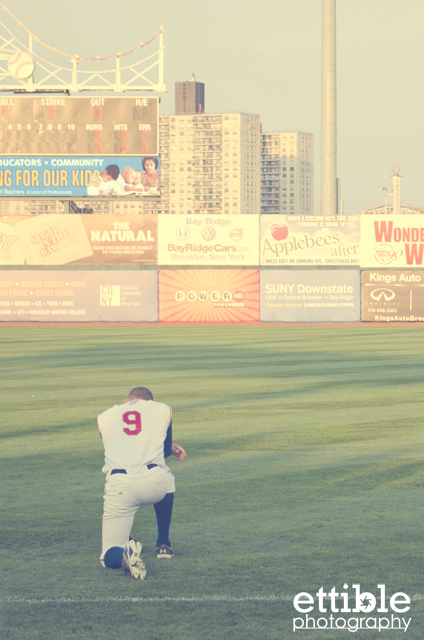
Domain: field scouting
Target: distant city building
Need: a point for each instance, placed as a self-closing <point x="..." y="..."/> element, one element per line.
<point x="210" y="163"/>
<point x="287" y="173"/>
<point x="392" y="202"/>
<point x="189" y="97"/>
<point x="388" y="208"/>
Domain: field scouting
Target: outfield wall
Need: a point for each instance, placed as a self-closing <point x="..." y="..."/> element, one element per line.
<point x="368" y="241"/>
<point x="360" y="268"/>
<point x="211" y="295"/>
<point x="268" y="241"/>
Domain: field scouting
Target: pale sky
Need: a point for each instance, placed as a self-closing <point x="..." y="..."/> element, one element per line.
<point x="265" y="58"/>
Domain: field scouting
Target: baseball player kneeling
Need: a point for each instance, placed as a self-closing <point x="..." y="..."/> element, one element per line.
<point x="137" y="437"/>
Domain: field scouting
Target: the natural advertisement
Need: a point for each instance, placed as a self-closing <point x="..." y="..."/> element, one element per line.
<point x="310" y="296"/>
<point x="78" y="296"/>
<point x="392" y="241"/>
<point x="392" y="296"/>
<point x="57" y="239"/>
<point x="206" y="295"/>
<point x="309" y="240"/>
<point x="209" y="240"/>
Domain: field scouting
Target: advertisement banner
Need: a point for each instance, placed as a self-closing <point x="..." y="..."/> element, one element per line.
<point x="80" y="177"/>
<point x="392" y="296"/>
<point x="78" y="296"/>
<point x="310" y="296"/>
<point x="210" y="240"/>
<point x="392" y="241"/>
<point x="51" y="240"/>
<point x="206" y="295"/>
<point x="310" y="240"/>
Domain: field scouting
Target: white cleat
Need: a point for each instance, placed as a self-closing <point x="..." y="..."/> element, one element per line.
<point x="131" y="561"/>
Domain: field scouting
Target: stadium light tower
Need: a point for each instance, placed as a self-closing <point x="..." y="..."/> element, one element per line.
<point x="329" y="196"/>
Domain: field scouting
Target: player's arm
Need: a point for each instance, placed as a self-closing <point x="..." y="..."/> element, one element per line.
<point x="167" y="445"/>
<point x="170" y="448"/>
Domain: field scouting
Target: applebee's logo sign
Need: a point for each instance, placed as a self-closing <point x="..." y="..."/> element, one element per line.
<point x="344" y="609"/>
<point x="279" y="232"/>
<point x="281" y="244"/>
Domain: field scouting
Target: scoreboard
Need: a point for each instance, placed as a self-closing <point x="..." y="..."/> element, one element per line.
<point x="58" y="126"/>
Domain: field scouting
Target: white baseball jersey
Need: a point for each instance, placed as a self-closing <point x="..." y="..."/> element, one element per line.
<point x="136" y="434"/>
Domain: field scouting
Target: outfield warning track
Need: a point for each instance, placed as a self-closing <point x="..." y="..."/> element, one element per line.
<point x="210" y="324"/>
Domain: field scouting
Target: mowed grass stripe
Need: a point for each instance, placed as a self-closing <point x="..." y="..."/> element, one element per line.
<point x="271" y="598"/>
<point x="304" y="470"/>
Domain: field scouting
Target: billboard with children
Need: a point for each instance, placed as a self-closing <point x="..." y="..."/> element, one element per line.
<point x="80" y="176"/>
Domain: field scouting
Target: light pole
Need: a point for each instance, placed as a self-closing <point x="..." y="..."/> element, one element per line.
<point x="329" y="196"/>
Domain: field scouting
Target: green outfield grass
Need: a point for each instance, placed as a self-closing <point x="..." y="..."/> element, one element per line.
<point x="305" y="470"/>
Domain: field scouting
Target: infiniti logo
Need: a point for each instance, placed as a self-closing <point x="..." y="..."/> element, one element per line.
<point x="385" y="294"/>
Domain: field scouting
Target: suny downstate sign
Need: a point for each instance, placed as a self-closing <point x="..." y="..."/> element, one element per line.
<point x="392" y="241"/>
<point x="310" y="296"/>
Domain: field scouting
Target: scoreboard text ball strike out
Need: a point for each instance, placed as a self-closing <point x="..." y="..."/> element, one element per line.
<point x="79" y="126"/>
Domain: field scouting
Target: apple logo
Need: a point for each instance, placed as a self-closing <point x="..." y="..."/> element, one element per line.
<point x="279" y="232"/>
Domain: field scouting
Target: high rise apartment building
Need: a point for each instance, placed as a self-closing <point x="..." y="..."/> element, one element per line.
<point x="189" y="97"/>
<point x="210" y="163"/>
<point x="287" y="173"/>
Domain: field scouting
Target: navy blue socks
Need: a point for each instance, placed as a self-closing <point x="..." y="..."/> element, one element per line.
<point x="163" y="511"/>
